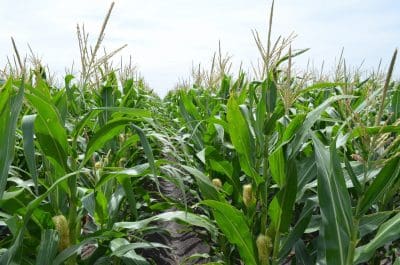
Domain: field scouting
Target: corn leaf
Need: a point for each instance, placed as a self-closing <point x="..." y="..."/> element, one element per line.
<point x="281" y="207"/>
<point x="277" y="167"/>
<point x="103" y="135"/>
<point x="9" y="257"/>
<point x="185" y="217"/>
<point x="334" y="203"/>
<point x="381" y="184"/>
<point x="147" y="149"/>
<point x="50" y="133"/>
<point x="10" y="107"/>
<point x="125" y="246"/>
<point x="395" y="104"/>
<point x="234" y="226"/>
<point x="242" y="139"/>
<point x="66" y="253"/>
<point x="207" y="189"/>
<point x="309" y="121"/>
<point x="302" y="257"/>
<point x="48" y="247"/>
<point x="29" y="146"/>
<point x="369" y="223"/>
<point x="389" y="231"/>
<point x="298" y="229"/>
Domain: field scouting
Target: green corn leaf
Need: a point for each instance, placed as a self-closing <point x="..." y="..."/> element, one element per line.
<point x="226" y="83"/>
<point x="72" y="105"/>
<point x="302" y="257"/>
<point x="103" y="135"/>
<point x="369" y="223"/>
<point x="9" y="257"/>
<point x="147" y="149"/>
<point x="222" y="166"/>
<point x="309" y="121"/>
<point x="270" y="91"/>
<point x="48" y="247"/>
<point x="207" y="189"/>
<point x="130" y="195"/>
<point x="321" y="85"/>
<point x="133" y="172"/>
<point x="380" y="185"/>
<point x="270" y="124"/>
<point x="277" y="167"/>
<point x="29" y="146"/>
<point x="292" y="128"/>
<point x="334" y="203"/>
<point x="281" y="207"/>
<point x="129" y="112"/>
<point x="185" y="217"/>
<point x="388" y="231"/>
<point x="50" y="133"/>
<point x="298" y="229"/>
<point x="359" y="131"/>
<point x="218" y="164"/>
<point x="125" y="246"/>
<point x="353" y="177"/>
<point x="226" y="168"/>
<point x="307" y="172"/>
<point x="261" y="113"/>
<point x="292" y="55"/>
<point x="125" y="250"/>
<point x="111" y="130"/>
<point x="69" y="252"/>
<point x="42" y="90"/>
<point x="242" y="139"/>
<point x="233" y="224"/>
<point x="107" y="100"/>
<point x="60" y="101"/>
<point x="395" y="104"/>
<point x="190" y="114"/>
<point x="187" y="100"/>
<point x="117" y="112"/>
<point x="10" y="107"/>
<point x="101" y="207"/>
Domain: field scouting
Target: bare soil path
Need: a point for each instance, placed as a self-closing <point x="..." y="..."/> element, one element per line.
<point x="183" y="240"/>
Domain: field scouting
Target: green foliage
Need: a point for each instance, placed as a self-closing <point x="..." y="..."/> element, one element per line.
<point x="233" y="224"/>
<point x="324" y="181"/>
<point x="282" y="170"/>
<point x="10" y="106"/>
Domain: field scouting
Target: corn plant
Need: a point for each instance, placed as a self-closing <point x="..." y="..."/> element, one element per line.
<point x="280" y="168"/>
<point x="264" y="165"/>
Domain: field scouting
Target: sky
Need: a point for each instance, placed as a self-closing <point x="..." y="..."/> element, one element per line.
<point x="165" y="38"/>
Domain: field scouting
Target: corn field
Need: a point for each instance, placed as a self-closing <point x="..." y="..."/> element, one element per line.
<point x="275" y="167"/>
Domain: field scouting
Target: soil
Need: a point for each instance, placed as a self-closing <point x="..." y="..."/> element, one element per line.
<point x="183" y="241"/>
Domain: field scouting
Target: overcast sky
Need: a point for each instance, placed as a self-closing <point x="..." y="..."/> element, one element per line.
<point x="166" y="36"/>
